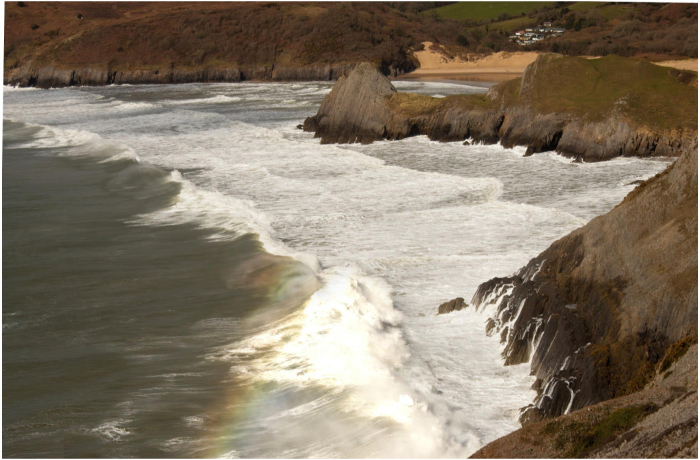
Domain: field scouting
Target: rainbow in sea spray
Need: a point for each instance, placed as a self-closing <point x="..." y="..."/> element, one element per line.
<point x="337" y="355"/>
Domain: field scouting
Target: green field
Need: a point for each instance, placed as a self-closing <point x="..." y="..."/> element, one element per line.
<point x="486" y="10"/>
<point x="585" y="6"/>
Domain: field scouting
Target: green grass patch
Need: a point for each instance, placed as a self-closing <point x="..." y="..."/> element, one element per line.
<point x="511" y="25"/>
<point x="485" y="10"/>
<point x="649" y="96"/>
<point x="586" y="6"/>
<point x="413" y="105"/>
<point x="615" y="11"/>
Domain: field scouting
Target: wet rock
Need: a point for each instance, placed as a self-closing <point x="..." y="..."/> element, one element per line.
<point x="452" y="305"/>
<point x="596" y="312"/>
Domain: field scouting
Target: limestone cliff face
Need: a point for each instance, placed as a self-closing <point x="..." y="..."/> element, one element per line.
<point x="50" y="77"/>
<point x="596" y="312"/>
<point x="497" y="119"/>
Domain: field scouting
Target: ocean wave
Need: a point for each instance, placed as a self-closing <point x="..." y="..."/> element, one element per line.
<point x="10" y="88"/>
<point x="71" y="142"/>
<point x="348" y="340"/>
<point x="231" y="216"/>
<point x="218" y="99"/>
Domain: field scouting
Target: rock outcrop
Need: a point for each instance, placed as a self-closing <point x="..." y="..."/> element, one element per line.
<point x="365" y="107"/>
<point x="597" y="311"/>
<point x="452" y="305"/>
<point x="660" y="421"/>
<point x="355" y="110"/>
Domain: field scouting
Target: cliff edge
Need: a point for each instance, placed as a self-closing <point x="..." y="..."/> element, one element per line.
<point x="660" y="421"/>
<point x="589" y="109"/>
<point x="599" y="310"/>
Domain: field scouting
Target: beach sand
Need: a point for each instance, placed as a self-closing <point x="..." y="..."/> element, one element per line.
<point x="685" y="64"/>
<point x="494" y="68"/>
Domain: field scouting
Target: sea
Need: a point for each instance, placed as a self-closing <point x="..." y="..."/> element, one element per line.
<point x="186" y="273"/>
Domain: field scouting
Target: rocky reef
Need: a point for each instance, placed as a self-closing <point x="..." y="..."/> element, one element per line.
<point x="599" y="310"/>
<point x="365" y="107"/>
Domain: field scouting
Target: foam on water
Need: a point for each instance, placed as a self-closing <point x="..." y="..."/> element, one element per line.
<point x="391" y="230"/>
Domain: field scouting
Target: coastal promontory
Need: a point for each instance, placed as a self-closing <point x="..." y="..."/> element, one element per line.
<point x="589" y="109"/>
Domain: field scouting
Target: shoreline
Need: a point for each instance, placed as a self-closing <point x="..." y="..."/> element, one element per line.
<point x="463" y="82"/>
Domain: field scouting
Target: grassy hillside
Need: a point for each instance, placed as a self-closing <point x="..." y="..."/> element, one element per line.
<point x="191" y="35"/>
<point x="648" y="95"/>
<point x="486" y="10"/>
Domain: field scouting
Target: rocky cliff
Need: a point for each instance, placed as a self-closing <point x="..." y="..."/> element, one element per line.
<point x="50" y="77"/>
<point x="598" y="311"/>
<point x="521" y="112"/>
<point x="660" y="421"/>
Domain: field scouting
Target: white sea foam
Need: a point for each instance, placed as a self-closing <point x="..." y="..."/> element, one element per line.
<point x="10" y="88"/>
<point x="218" y="99"/>
<point x="112" y="430"/>
<point x="231" y="216"/>
<point x="74" y="142"/>
<point x="392" y="229"/>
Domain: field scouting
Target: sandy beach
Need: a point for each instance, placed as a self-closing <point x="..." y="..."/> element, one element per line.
<point x="494" y="68"/>
<point x="685" y="64"/>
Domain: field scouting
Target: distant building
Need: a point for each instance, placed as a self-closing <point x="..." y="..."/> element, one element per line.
<point x="535" y="34"/>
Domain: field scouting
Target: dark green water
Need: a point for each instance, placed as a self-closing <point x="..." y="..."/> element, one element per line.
<point x="106" y="325"/>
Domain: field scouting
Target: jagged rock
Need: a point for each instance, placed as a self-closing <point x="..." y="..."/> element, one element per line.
<point x="600" y="307"/>
<point x="355" y="110"/>
<point x="452" y="305"/>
